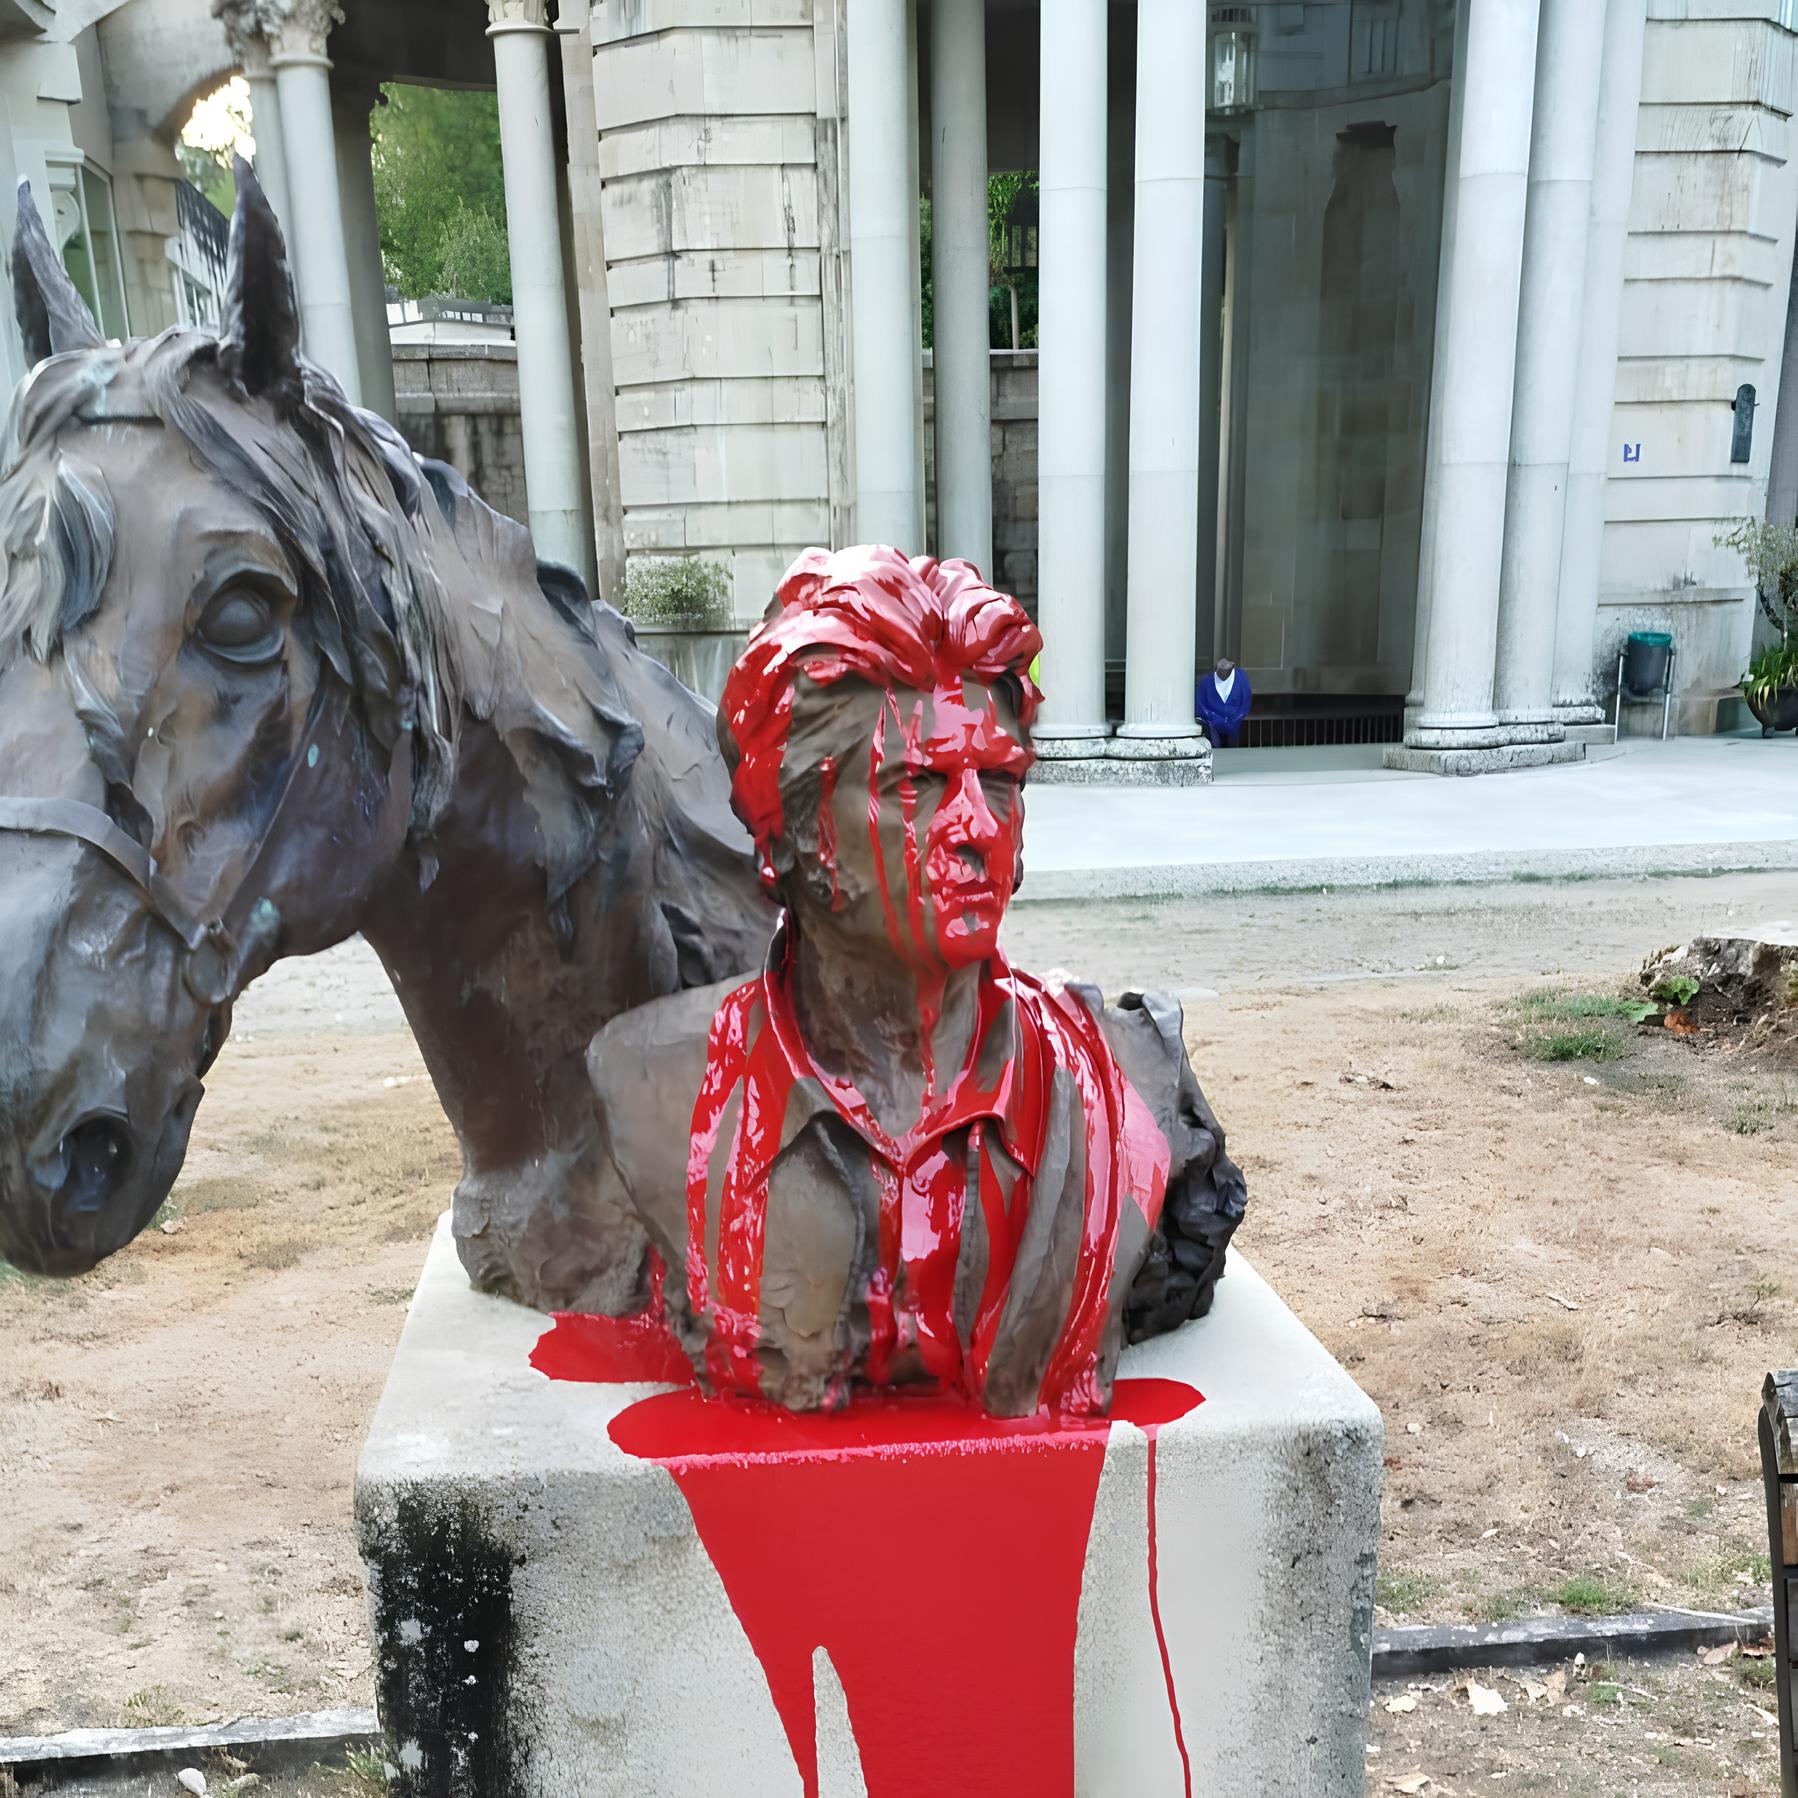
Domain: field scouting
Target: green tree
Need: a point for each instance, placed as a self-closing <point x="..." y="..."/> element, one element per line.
<point x="440" y="193"/>
<point x="1001" y="193"/>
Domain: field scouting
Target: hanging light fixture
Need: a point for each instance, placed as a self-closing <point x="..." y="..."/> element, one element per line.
<point x="1232" y="59"/>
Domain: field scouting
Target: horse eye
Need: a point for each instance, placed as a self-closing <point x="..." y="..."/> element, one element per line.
<point x="240" y="627"/>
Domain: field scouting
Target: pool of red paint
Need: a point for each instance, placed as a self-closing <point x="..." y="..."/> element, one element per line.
<point x="935" y="1553"/>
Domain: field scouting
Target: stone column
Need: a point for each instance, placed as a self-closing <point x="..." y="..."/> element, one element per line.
<point x="1582" y="538"/>
<point x="351" y="107"/>
<point x="265" y="121"/>
<point x="1432" y="475"/>
<point x="1457" y="730"/>
<point x="522" y="49"/>
<point x="592" y="294"/>
<point x="1211" y="392"/>
<point x="1569" y="58"/>
<point x="963" y="279"/>
<point x="297" y="33"/>
<point x="883" y="228"/>
<point x="1071" y="323"/>
<point x="1166" y="307"/>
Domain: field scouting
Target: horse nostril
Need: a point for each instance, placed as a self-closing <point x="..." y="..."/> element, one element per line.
<point x="97" y="1155"/>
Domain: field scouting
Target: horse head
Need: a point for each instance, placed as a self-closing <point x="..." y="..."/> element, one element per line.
<point x="237" y="701"/>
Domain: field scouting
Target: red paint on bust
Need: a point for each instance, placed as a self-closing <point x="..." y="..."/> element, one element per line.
<point x="993" y="1513"/>
<point x="755" y="1056"/>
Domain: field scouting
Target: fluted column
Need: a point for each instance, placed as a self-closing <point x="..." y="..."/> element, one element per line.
<point x="962" y="271"/>
<point x="1071" y="324"/>
<point x="1475" y="365"/>
<point x="1160" y="660"/>
<point x="1582" y="536"/>
<point x="883" y="229"/>
<point x="547" y="414"/>
<point x="1569" y="57"/>
<point x="297" y="32"/>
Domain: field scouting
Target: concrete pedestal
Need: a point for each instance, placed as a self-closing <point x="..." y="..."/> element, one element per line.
<point x="550" y="1621"/>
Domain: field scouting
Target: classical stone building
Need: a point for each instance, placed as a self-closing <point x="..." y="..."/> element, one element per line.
<point x="1408" y="351"/>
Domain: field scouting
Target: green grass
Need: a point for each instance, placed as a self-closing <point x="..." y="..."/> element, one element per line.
<point x="1560" y="1024"/>
<point x="15" y="1279"/>
<point x="363" y="1774"/>
<point x="1596" y="1043"/>
<point x="1592" y="1595"/>
<point x="1498" y="1607"/>
<point x="1398" y="1591"/>
<point x="1762" y="1671"/>
<point x="1562" y="1006"/>
<point x="152" y="1708"/>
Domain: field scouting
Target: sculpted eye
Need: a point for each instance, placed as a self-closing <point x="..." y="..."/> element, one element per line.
<point x="240" y="627"/>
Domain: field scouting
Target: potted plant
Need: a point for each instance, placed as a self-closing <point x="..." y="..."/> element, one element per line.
<point x="1771" y="684"/>
<point x="681" y="608"/>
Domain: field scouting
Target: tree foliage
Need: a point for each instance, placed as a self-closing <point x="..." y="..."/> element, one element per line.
<point x="1001" y="195"/>
<point x="440" y="193"/>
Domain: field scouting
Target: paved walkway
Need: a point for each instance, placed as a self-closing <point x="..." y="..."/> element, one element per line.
<point x="1285" y="819"/>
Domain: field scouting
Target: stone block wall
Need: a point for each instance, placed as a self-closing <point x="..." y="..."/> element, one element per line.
<point x="458" y="402"/>
<point x="1707" y="275"/>
<point x="720" y="167"/>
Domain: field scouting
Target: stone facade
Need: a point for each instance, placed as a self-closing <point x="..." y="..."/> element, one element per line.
<point x="1707" y="277"/>
<point x="720" y="168"/>
<point x="458" y="402"/>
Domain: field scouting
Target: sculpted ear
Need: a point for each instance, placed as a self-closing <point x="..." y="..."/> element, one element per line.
<point x="259" y="337"/>
<point x="52" y="315"/>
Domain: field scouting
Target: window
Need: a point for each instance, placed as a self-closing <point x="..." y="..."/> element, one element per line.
<point x="88" y="233"/>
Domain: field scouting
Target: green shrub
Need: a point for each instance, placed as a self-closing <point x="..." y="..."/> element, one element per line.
<point x="686" y="592"/>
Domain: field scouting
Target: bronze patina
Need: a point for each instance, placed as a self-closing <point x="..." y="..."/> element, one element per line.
<point x="267" y="680"/>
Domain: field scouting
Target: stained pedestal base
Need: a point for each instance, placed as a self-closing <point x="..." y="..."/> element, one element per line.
<point x="585" y="1587"/>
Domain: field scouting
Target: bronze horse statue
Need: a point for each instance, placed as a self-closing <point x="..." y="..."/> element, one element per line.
<point x="268" y="679"/>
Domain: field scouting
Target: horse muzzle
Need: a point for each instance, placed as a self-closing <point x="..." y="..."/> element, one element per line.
<point x="92" y="1186"/>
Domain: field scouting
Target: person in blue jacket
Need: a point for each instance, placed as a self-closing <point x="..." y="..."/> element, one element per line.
<point x="1222" y="702"/>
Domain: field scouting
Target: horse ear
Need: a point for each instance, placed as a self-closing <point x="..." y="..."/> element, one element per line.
<point x="259" y="339"/>
<point x="52" y="315"/>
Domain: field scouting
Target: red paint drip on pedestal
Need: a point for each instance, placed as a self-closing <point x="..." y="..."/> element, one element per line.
<point x="934" y="1552"/>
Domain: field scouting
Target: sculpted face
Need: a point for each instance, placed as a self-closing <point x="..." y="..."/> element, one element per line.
<point x="177" y="700"/>
<point x="919" y="806"/>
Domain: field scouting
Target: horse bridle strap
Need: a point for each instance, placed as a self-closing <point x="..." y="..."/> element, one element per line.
<point x="211" y="943"/>
<point x="89" y="825"/>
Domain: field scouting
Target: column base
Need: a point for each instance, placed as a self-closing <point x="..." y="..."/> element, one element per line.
<point x="1146" y="745"/>
<point x="1123" y="771"/>
<point x="1497" y="758"/>
<point x="1589" y="733"/>
<point x="1581" y="711"/>
<point x="1070" y="742"/>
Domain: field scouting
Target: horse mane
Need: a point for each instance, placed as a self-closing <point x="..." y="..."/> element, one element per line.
<point x="367" y="526"/>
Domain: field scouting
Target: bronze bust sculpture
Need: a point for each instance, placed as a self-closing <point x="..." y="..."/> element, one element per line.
<point x="889" y="1158"/>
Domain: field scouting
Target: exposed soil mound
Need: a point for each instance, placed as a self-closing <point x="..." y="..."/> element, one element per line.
<point x="1735" y="990"/>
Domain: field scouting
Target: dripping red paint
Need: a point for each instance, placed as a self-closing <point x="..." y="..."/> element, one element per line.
<point x="974" y="1530"/>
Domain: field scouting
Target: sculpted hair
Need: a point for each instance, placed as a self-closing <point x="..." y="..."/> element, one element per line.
<point x="870" y="613"/>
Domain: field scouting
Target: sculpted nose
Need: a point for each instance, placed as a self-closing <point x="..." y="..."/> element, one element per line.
<point x="85" y="1171"/>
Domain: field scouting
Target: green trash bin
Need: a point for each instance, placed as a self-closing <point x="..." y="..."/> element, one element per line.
<point x="1645" y="660"/>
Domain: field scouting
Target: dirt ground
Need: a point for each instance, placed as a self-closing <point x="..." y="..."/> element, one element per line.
<point x="1562" y="1282"/>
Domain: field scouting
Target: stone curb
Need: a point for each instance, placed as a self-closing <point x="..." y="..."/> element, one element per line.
<point x="1409" y="1649"/>
<point x="1185" y="880"/>
<point x="1531" y="1641"/>
<point x="304" y="1738"/>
